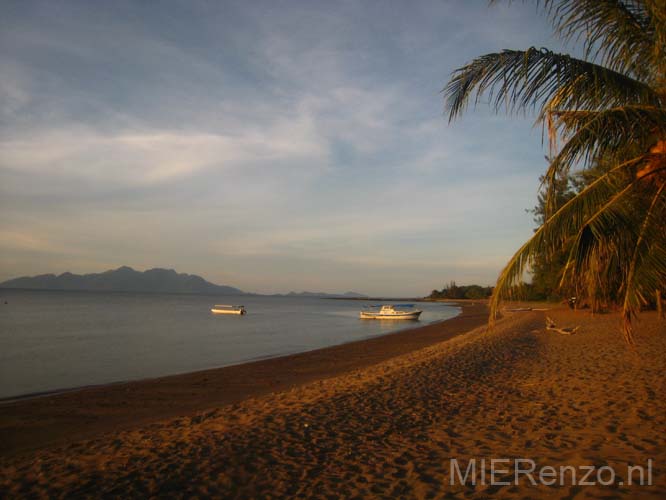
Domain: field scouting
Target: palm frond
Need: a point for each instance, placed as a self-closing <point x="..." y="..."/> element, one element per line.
<point x="624" y="35"/>
<point x="544" y="80"/>
<point x="647" y="269"/>
<point x="631" y="122"/>
<point x="595" y="136"/>
<point x="598" y="227"/>
<point x="617" y="215"/>
<point x="558" y="229"/>
<point x="657" y="12"/>
<point x="590" y="135"/>
<point x="618" y="34"/>
<point x="586" y="217"/>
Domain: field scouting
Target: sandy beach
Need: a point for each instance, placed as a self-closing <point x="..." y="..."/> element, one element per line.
<point x="368" y="425"/>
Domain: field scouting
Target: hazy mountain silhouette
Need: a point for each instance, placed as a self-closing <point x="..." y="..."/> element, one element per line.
<point x="124" y="279"/>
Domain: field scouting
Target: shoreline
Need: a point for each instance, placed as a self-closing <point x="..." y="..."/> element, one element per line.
<point x="32" y="422"/>
<point x="63" y="390"/>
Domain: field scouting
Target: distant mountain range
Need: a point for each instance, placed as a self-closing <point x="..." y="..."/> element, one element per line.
<point x="124" y="279"/>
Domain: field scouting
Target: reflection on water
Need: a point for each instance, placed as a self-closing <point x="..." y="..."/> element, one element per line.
<point x="55" y="340"/>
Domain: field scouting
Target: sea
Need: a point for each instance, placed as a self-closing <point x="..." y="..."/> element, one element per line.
<point x="56" y="340"/>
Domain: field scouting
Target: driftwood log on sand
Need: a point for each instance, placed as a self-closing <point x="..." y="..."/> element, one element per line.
<point x="550" y="325"/>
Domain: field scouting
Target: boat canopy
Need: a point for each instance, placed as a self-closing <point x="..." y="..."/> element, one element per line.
<point x="389" y="305"/>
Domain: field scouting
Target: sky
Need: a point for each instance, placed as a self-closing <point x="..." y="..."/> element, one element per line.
<point x="267" y="145"/>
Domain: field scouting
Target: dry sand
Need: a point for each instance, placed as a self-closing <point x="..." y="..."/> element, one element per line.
<point x="390" y="429"/>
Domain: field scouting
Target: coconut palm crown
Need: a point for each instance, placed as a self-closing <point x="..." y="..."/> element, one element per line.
<point x="605" y="112"/>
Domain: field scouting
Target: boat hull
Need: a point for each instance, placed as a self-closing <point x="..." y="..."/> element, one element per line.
<point x="413" y="315"/>
<point x="227" y="311"/>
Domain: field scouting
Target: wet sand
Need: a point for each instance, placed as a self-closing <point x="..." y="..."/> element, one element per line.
<point x="390" y="429"/>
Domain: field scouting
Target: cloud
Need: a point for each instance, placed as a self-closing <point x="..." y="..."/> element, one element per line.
<point x="28" y="242"/>
<point x="139" y="157"/>
<point x="13" y="89"/>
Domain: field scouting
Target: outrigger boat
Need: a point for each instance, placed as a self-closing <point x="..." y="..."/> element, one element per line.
<point x="224" y="309"/>
<point x="388" y="311"/>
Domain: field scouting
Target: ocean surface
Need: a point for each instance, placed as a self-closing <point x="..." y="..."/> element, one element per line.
<point x="60" y="340"/>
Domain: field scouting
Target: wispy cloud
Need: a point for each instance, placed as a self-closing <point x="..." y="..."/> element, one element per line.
<point x="137" y="157"/>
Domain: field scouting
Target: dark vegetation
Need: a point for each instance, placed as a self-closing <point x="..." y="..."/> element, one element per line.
<point x="453" y="291"/>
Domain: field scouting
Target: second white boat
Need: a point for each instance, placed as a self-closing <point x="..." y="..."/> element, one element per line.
<point x="388" y="311"/>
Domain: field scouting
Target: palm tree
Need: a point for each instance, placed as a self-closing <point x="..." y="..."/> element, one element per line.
<point x="606" y="111"/>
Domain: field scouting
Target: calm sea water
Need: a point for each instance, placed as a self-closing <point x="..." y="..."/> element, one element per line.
<point x="59" y="340"/>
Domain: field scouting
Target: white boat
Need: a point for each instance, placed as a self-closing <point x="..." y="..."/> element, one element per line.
<point x="224" y="309"/>
<point x="388" y="311"/>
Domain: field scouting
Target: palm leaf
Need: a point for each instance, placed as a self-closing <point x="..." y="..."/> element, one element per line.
<point x="617" y="33"/>
<point x="606" y="134"/>
<point x="648" y="264"/>
<point x="591" y="135"/>
<point x="542" y="79"/>
<point x="557" y="230"/>
<point x="622" y="35"/>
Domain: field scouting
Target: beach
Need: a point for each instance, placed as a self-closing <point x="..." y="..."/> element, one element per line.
<point x="385" y="417"/>
<point x="34" y="422"/>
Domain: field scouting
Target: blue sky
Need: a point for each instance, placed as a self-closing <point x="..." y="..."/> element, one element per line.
<point x="271" y="146"/>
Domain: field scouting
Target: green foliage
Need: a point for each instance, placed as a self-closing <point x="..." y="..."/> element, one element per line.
<point x="548" y="265"/>
<point x="455" y="292"/>
<point x="605" y="116"/>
